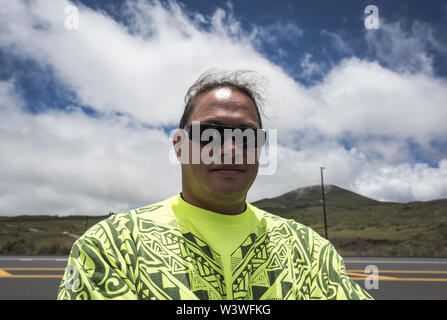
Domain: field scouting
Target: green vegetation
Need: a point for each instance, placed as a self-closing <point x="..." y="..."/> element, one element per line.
<point x="357" y="226"/>
<point x="360" y="226"/>
<point x="42" y="234"/>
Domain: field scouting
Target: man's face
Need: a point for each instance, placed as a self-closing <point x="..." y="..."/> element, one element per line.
<point x="230" y="107"/>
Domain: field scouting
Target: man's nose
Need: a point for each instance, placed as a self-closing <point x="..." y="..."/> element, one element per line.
<point x="230" y="151"/>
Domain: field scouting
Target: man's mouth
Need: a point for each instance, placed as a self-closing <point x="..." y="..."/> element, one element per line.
<point x="228" y="169"/>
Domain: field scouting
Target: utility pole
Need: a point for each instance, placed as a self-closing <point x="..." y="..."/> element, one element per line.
<point x="85" y="223"/>
<point x="19" y="227"/>
<point x="438" y="231"/>
<point x="324" y="202"/>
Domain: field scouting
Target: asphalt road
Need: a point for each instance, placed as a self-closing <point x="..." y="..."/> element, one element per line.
<point x="38" y="277"/>
<point x="401" y="278"/>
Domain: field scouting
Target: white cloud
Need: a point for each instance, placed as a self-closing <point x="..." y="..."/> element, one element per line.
<point x="369" y="100"/>
<point x="300" y="168"/>
<point x="111" y="69"/>
<point x="308" y="67"/>
<point x="338" y="42"/>
<point x="67" y="162"/>
<point x="404" y="50"/>
<point x="59" y="162"/>
<point x="404" y="181"/>
<point x="278" y="31"/>
<point x="377" y="109"/>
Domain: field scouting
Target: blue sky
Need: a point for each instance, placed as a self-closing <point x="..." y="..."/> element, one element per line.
<point x="313" y="22"/>
<point x="87" y="112"/>
<point x="308" y="27"/>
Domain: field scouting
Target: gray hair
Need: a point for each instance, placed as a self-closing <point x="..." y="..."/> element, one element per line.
<point x="248" y="82"/>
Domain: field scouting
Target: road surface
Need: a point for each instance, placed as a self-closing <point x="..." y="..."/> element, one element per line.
<point x="38" y="277"/>
<point x="401" y="278"/>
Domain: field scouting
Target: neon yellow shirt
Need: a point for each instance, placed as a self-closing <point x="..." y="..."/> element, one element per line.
<point x="174" y="250"/>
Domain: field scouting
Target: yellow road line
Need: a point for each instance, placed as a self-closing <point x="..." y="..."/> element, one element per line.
<point x="4" y="274"/>
<point x="40" y="276"/>
<point x="380" y="278"/>
<point x="354" y="274"/>
<point x="34" y="269"/>
<point x="404" y="271"/>
<point x="361" y="275"/>
<point x="421" y="279"/>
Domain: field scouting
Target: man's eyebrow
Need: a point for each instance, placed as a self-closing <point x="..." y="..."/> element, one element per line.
<point x="216" y="121"/>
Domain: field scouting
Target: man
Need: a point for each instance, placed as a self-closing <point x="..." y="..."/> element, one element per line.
<point x="207" y="242"/>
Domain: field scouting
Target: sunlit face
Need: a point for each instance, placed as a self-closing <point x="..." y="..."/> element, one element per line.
<point x="225" y="106"/>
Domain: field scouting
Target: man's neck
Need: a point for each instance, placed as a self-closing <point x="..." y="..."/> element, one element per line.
<point x="224" y="206"/>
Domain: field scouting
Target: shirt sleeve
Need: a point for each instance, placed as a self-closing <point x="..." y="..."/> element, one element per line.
<point x="96" y="270"/>
<point x="330" y="280"/>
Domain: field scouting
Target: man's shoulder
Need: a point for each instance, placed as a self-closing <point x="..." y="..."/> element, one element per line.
<point x="289" y="227"/>
<point x="276" y="220"/>
<point x="133" y="220"/>
<point x="150" y="211"/>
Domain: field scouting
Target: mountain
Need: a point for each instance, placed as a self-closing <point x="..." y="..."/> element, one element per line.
<point x="360" y="226"/>
<point x="438" y="200"/>
<point x="311" y="196"/>
<point x="356" y="225"/>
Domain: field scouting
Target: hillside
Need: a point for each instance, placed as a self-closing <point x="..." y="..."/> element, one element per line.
<point x="360" y="226"/>
<point x="311" y="196"/>
<point x="357" y="225"/>
<point x="42" y="234"/>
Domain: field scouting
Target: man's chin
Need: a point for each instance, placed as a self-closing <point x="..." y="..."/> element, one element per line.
<point x="229" y="190"/>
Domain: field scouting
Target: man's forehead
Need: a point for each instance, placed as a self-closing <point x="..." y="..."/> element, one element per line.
<point x="225" y="103"/>
<point x="222" y="93"/>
